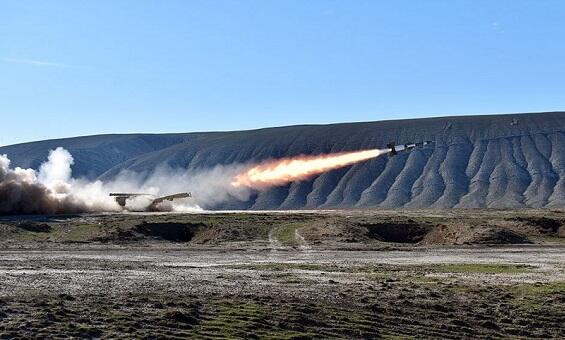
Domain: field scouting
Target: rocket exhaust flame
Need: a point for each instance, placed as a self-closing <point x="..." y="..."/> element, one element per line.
<point x="282" y="171"/>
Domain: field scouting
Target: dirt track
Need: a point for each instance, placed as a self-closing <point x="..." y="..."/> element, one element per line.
<point x="77" y="272"/>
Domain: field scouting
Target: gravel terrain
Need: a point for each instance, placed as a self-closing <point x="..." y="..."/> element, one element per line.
<point x="276" y="275"/>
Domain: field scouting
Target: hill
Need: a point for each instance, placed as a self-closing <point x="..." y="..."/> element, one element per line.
<point x="494" y="161"/>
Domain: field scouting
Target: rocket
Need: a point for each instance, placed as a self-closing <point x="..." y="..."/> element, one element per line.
<point x="394" y="149"/>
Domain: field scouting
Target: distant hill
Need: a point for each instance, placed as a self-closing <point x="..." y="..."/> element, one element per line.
<point x="93" y="155"/>
<point x="494" y="161"/>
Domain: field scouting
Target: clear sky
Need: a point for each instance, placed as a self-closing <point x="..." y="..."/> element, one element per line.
<point x="71" y="68"/>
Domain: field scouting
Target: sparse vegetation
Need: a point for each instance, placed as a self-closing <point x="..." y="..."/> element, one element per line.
<point x="219" y="276"/>
<point x="80" y="233"/>
<point x="481" y="268"/>
<point x="286" y="233"/>
<point x="540" y="289"/>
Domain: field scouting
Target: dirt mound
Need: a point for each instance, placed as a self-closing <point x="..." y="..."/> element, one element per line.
<point x="334" y="231"/>
<point x="175" y="232"/>
<point x="35" y="227"/>
<point x="219" y="234"/>
<point x="398" y="232"/>
<point x="233" y="232"/>
<point x="492" y="235"/>
<point x="454" y="235"/>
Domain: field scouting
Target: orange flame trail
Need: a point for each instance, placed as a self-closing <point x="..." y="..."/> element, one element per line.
<point x="282" y="171"/>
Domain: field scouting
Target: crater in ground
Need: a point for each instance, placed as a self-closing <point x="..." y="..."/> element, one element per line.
<point x="175" y="232"/>
<point x="398" y="232"/>
<point x="543" y="224"/>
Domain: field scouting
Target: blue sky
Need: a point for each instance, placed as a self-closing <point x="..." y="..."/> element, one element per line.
<point x="71" y="68"/>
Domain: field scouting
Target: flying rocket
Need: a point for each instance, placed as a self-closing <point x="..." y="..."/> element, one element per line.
<point x="394" y="149"/>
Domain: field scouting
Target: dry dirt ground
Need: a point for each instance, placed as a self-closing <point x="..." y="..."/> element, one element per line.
<point x="299" y="275"/>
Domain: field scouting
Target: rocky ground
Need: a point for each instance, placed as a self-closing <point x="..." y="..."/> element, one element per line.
<point x="346" y="274"/>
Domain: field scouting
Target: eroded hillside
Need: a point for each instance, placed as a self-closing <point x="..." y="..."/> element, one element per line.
<point x="497" y="161"/>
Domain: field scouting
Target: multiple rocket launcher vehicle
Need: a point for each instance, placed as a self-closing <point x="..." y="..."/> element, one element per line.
<point x="121" y="198"/>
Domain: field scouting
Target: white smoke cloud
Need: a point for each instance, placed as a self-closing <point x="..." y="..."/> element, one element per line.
<point x="57" y="169"/>
<point x="52" y="189"/>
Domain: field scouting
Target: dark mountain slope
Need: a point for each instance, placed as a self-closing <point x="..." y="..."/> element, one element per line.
<point x="93" y="155"/>
<point x="494" y="161"/>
